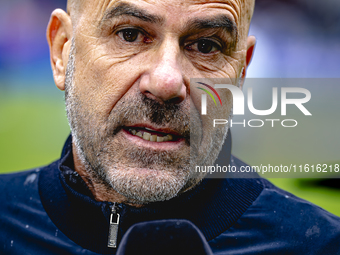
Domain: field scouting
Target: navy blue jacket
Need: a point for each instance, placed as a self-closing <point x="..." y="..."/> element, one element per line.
<point x="50" y="210"/>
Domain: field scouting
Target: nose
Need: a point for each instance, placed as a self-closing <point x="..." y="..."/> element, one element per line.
<point x="164" y="80"/>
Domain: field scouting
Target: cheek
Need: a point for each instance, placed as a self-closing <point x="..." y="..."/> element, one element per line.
<point x="213" y="110"/>
<point x="217" y="111"/>
<point x="220" y="65"/>
<point x="103" y="79"/>
<point x="227" y="100"/>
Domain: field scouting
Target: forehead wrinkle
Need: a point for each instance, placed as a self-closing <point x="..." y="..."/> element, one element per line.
<point x="128" y="9"/>
<point x="234" y="3"/>
<point x="104" y="6"/>
<point x="240" y="9"/>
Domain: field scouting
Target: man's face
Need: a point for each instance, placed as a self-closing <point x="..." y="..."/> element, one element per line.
<point x="128" y="97"/>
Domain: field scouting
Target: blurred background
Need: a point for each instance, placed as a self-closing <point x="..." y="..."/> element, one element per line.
<point x="295" y="39"/>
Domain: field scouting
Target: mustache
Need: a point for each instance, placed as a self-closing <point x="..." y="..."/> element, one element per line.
<point x="132" y="110"/>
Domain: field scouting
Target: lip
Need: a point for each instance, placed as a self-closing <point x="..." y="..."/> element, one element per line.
<point x="162" y="130"/>
<point x="160" y="146"/>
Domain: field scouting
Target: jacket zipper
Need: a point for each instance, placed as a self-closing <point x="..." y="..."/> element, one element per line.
<point x="114" y="225"/>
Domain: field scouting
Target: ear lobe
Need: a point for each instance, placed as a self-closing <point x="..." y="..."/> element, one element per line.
<point x="59" y="34"/>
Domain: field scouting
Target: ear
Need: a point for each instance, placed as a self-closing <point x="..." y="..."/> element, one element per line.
<point x="251" y="41"/>
<point x="59" y="34"/>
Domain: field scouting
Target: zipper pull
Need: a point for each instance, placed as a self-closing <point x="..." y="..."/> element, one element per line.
<point x="113" y="231"/>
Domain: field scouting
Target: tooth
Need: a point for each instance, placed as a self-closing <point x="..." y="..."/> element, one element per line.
<point x="165" y="138"/>
<point x="134" y="132"/>
<point x="149" y="129"/>
<point x="146" y="136"/>
<point x="169" y="137"/>
<point x="139" y="134"/>
<point x="159" y="139"/>
<point x="153" y="138"/>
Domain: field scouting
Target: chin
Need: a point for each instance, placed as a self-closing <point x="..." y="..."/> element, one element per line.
<point x="145" y="185"/>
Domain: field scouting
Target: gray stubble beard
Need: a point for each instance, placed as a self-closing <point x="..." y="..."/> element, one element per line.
<point x="111" y="164"/>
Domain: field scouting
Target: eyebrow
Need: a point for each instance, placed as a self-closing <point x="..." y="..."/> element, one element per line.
<point x="127" y="9"/>
<point x="219" y="22"/>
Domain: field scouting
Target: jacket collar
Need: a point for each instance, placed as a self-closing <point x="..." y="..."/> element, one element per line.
<point x="213" y="206"/>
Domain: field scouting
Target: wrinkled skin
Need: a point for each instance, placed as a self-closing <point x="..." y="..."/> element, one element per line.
<point x="133" y="68"/>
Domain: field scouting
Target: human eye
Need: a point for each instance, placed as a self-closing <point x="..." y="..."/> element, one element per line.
<point x="204" y="46"/>
<point x="133" y="35"/>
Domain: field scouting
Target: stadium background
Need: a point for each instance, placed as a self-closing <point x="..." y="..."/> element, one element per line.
<point x="295" y="39"/>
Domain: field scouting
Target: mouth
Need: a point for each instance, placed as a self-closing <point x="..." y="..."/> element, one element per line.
<point x="153" y="135"/>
